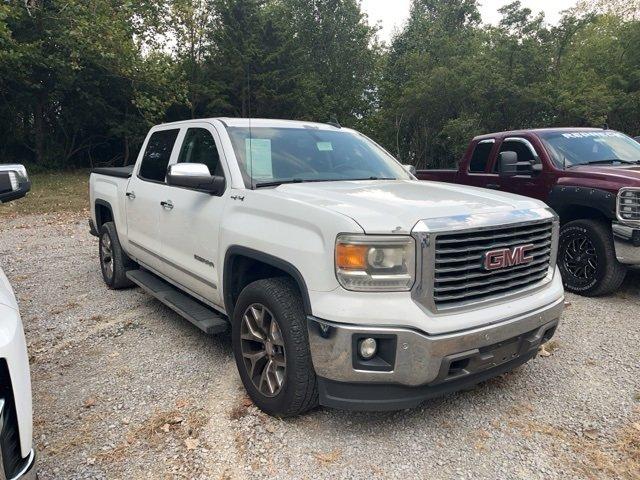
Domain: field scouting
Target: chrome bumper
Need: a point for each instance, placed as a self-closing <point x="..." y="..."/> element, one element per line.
<point x="416" y="359"/>
<point x="27" y="471"/>
<point x="627" y="243"/>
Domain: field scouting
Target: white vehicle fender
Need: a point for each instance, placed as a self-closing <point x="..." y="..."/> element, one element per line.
<point x="290" y="235"/>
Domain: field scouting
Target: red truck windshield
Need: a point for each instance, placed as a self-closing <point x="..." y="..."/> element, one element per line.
<point x="591" y="147"/>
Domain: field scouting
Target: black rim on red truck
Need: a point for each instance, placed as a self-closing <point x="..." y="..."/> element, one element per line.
<point x="580" y="258"/>
<point x="263" y="351"/>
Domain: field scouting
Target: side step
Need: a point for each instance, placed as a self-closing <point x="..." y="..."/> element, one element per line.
<point x="202" y="316"/>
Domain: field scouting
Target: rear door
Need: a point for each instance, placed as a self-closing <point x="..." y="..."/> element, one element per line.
<point x="145" y="191"/>
<point x="478" y="172"/>
<point x="190" y="229"/>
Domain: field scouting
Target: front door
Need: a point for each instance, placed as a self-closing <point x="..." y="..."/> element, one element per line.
<point x="526" y="182"/>
<point x="190" y="228"/>
<point x="144" y="194"/>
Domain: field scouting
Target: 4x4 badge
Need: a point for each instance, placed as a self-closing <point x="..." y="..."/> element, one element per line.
<point x="508" y="257"/>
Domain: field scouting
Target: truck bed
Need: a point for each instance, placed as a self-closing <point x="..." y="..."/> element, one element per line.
<point x="120" y="172"/>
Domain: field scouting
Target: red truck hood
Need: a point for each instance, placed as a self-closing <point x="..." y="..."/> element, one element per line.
<point x="396" y="206"/>
<point x="625" y="176"/>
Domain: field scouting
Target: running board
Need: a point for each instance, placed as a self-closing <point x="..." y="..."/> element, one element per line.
<point x="202" y="316"/>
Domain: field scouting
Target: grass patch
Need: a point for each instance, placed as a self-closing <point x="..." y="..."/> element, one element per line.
<point x="52" y="193"/>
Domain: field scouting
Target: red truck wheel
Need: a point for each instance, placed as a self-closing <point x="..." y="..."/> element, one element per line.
<point x="587" y="260"/>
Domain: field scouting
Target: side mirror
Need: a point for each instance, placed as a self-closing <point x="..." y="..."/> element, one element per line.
<point x="14" y="182"/>
<point x="411" y="169"/>
<point x="508" y="162"/>
<point x="195" y="176"/>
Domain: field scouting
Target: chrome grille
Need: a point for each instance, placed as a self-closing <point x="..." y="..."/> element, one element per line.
<point x="460" y="277"/>
<point x="629" y="205"/>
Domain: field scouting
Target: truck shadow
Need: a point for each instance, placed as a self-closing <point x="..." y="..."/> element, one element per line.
<point x="631" y="285"/>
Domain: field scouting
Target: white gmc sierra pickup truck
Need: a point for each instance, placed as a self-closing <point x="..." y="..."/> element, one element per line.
<point x="344" y="281"/>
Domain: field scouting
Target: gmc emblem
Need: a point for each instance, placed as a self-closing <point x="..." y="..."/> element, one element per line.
<point x="508" y="257"/>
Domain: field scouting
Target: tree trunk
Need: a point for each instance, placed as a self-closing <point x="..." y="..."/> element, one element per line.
<point x="38" y="125"/>
<point x="126" y="154"/>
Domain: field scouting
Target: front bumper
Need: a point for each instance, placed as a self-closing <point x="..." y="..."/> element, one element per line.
<point x="626" y="240"/>
<point x="415" y="366"/>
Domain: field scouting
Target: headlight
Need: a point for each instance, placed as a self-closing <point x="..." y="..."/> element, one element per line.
<point x="629" y="205"/>
<point x="375" y="263"/>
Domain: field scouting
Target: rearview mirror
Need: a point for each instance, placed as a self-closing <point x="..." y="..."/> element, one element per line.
<point x="508" y="164"/>
<point x="14" y="182"/>
<point x="195" y="176"/>
<point x="411" y="169"/>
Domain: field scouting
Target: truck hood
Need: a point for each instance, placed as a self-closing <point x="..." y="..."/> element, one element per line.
<point x="7" y="296"/>
<point x="627" y="175"/>
<point x="396" y="206"/>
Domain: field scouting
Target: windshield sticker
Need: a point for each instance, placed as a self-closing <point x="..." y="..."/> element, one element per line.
<point x="591" y="134"/>
<point x="325" y="146"/>
<point x="258" y="157"/>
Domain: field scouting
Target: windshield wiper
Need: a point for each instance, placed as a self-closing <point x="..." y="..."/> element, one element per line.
<point x="277" y="183"/>
<point x="604" y="162"/>
<point x="368" y="178"/>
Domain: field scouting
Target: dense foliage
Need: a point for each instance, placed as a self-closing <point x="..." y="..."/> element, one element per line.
<point x="81" y="81"/>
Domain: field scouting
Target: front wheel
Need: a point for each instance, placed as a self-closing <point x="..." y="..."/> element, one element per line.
<point x="271" y="348"/>
<point x="587" y="259"/>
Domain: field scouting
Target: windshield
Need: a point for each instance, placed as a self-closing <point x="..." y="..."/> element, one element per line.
<point x="270" y="156"/>
<point x="585" y="147"/>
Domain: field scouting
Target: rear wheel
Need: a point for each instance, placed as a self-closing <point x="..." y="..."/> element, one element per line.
<point x="271" y="348"/>
<point x="587" y="260"/>
<point x="114" y="263"/>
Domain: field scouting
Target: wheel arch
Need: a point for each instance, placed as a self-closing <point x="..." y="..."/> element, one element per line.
<point x="243" y="265"/>
<point x="574" y="203"/>
<point x="104" y="213"/>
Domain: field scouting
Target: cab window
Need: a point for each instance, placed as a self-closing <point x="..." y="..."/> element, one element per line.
<point x="157" y="155"/>
<point x="524" y="155"/>
<point x="200" y="147"/>
<point x="480" y="157"/>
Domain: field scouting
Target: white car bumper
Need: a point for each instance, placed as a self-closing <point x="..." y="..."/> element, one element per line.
<point x="16" y="425"/>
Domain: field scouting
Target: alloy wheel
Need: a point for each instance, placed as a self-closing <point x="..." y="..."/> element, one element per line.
<point x="106" y="256"/>
<point x="263" y="352"/>
<point x="580" y="257"/>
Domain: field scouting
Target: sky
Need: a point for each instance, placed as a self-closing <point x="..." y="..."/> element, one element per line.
<point x="392" y="13"/>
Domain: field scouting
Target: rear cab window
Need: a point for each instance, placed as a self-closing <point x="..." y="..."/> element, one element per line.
<point x="157" y="155"/>
<point x="480" y="157"/>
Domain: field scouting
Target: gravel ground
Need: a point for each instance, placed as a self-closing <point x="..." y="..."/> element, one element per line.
<point x="124" y="388"/>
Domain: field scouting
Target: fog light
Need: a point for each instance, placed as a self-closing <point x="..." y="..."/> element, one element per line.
<point x="368" y="348"/>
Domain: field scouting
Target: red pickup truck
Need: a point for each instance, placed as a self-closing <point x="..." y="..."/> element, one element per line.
<point x="589" y="176"/>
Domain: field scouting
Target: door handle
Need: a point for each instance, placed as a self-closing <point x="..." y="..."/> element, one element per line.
<point x="131" y="195"/>
<point x="167" y="205"/>
<point x="494" y="186"/>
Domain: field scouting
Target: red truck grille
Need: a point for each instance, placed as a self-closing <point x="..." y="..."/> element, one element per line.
<point x="629" y="204"/>
<point x="461" y="275"/>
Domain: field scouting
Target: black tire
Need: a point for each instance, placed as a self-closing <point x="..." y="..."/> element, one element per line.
<point x="281" y="300"/>
<point x="114" y="262"/>
<point x="587" y="258"/>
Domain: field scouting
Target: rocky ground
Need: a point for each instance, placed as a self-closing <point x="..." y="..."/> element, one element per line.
<point x="124" y="388"/>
